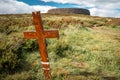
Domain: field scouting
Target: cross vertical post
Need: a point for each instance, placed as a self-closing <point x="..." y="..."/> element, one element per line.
<point x="40" y="34"/>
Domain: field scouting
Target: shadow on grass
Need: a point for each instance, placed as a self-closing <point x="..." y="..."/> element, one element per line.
<point x="86" y="73"/>
<point x="110" y="78"/>
<point x="86" y="76"/>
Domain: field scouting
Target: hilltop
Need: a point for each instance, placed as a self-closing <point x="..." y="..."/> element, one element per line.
<point x="69" y="11"/>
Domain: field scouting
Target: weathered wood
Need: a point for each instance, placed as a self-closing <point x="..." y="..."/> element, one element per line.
<point x="47" y="34"/>
<point x="40" y="35"/>
<point x="30" y="35"/>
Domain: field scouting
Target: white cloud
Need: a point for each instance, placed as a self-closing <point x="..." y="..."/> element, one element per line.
<point x="63" y="1"/>
<point x="97" y="7"/>
<point x="43" y="9"/>
<point x="82" y="1"/>
<point x="104" y="12"/>
<point x="14" y="6"/>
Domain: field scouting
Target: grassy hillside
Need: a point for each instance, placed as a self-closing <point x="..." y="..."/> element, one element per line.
<point x="88" y="48"/>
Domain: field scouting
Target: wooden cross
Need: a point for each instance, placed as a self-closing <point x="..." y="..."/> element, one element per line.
<point x="40" y="34"/>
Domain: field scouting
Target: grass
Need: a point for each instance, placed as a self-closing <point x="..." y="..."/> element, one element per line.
<point x="82" y="52"/>
<point x="86" y="54"/>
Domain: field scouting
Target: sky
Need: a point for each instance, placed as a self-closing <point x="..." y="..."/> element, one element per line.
<point x="103" y="8"/>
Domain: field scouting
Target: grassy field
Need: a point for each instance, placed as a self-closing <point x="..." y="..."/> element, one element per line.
<point x="88" y="48"/>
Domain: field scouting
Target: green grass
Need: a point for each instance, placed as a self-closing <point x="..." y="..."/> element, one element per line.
<point x="82" y="52"/>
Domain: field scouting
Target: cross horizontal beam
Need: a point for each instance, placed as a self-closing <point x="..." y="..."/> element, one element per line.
<point x="47" y="34"/>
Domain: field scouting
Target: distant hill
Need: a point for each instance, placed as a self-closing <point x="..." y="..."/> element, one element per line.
<point x="69" y="11"/>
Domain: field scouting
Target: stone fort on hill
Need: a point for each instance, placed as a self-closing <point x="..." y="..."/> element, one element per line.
<point x="69" y="11"/>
